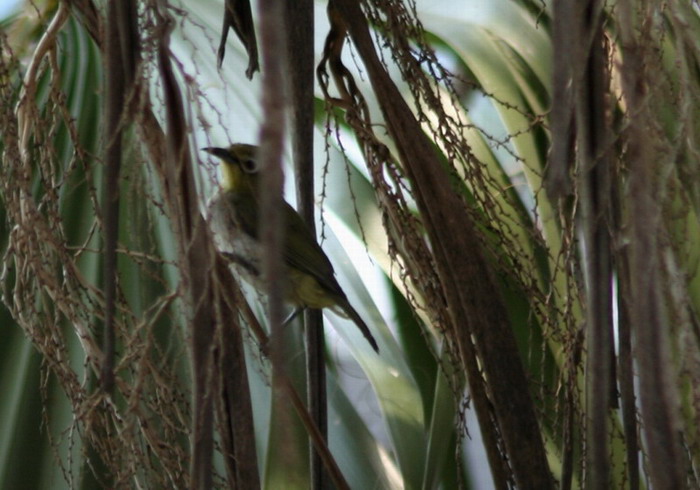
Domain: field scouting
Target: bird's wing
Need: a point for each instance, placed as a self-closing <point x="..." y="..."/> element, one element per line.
<point x="301" y="250"/>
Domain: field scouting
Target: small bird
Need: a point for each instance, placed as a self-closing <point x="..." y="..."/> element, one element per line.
<point x="234" y="220"/>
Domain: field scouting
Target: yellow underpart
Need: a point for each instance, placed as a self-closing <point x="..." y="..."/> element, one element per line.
<point x="231" y="177"/>
<point x="304" y="290"/>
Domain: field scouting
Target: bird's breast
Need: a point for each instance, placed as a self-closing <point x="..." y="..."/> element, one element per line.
<point x="231" y="240"/>
<point x="245" y="252"/>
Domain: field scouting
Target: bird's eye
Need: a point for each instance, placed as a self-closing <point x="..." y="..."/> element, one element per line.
<point x="249" y="165"/>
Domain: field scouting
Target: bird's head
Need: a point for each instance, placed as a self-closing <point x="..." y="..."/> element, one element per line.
<point x="239" y="166"/>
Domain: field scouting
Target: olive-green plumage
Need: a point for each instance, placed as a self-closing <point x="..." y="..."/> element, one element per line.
<point x="234" y="219"/>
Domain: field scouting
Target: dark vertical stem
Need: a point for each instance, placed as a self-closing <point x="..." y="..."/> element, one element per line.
<point x="558" y="175"/>
<point x="649" y="320"/>
<point x="625" y="372"/>
<point x="626" y="375"/>
<point x="236" y="414"/>
<point x="195" y="254"/>
<point x="595" y="213"/>
<point x="271" y="146"/>
<point x="648" y="314"/>
<point x="114" y="101"/>
<point x="299" y="16"/>
<point x="121" y="57"/>
<point x="580" y="124"/>
<point x="271" y="15"/>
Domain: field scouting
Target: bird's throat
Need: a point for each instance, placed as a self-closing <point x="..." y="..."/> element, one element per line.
<point x="231" y="177"/>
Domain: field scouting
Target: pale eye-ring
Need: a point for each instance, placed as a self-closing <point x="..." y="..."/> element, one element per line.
<point x="249" y="165"/>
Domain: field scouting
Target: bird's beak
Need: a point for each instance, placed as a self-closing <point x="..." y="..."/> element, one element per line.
<point x="218" y="152"/>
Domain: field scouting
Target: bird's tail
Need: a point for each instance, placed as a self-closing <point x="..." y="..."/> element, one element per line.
<point x="355" y="317"/>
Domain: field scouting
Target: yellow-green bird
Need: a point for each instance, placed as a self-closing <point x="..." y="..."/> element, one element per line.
<point x="234" y="220"/>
